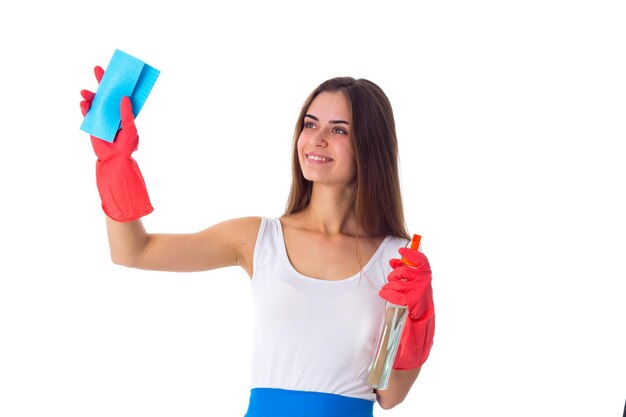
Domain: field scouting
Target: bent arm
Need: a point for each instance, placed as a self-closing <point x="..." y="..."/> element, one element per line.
<point x="229" y="243"/>
<point x="400" y="382"/>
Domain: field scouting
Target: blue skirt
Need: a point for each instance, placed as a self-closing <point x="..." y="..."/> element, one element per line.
<point x="271" y="402"/>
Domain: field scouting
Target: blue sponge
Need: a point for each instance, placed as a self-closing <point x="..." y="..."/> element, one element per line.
<point x="124" y="76"/>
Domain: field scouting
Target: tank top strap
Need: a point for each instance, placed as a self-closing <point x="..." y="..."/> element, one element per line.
<point x="268" y="245"/>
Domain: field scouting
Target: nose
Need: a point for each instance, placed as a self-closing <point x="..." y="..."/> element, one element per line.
<point x="319" y="139"/>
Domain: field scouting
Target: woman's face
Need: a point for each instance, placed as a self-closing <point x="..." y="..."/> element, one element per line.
<point x="325" y="146"/>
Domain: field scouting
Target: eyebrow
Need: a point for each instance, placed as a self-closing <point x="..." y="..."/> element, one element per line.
<point x="330" y="121"/>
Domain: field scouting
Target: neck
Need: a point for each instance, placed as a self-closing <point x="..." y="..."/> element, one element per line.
<point x="331" y="210"/>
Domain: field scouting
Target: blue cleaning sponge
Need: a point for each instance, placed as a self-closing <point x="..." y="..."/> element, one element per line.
<point x="124" y="76"/>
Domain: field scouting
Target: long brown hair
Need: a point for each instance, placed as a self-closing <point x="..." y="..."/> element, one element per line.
<point x="377" y="200"/>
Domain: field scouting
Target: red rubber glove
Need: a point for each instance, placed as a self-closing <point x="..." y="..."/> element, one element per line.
<point x="411" y="286"/>
<point x="120" y="183"/>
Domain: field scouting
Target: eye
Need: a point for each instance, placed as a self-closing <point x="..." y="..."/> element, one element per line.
<point x="308" y="125"/>
<point x="339" y="130"/>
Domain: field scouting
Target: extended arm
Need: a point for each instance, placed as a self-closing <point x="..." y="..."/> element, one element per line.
<point x="229" y="243"/>
<point x="125" y="200"/>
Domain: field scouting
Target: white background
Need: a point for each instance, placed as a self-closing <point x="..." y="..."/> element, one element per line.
<point x="511" y="125"/>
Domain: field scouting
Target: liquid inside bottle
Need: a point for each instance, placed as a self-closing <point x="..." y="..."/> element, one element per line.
<point x="386" y="346"/>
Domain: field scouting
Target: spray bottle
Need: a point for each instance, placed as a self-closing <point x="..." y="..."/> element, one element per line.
<point x="389" y="338"/>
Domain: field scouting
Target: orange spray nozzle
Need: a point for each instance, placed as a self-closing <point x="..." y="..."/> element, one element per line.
<point x="415" y="244"/>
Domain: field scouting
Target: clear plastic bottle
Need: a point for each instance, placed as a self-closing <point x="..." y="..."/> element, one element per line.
<point x="386" y="346"/>
<point x="389" y="338"/>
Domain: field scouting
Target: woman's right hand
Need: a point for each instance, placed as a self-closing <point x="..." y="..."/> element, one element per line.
<point x="126" y="140"/>
<point x="120" y="183"/>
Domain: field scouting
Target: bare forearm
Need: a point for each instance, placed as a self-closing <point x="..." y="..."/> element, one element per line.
<point x="127" y="240"/>
<point x="400" y="382"/>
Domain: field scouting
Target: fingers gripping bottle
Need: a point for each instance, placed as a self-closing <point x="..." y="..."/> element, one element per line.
<point x="389" y="338"/>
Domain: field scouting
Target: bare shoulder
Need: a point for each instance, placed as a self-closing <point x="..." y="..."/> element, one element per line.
<point x="240" y="231"/>
<point x="241" y="234"/>
<point x="293" y="221"/>
<point x="242" y="226"/>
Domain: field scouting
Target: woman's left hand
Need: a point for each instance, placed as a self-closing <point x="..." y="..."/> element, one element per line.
<point x="411" y="286"/>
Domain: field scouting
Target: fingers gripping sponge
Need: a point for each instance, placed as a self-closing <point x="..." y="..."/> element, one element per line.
<point x="124" y="76"/>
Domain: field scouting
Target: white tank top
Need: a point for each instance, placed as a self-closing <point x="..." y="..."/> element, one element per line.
<point x="312" y="334"/>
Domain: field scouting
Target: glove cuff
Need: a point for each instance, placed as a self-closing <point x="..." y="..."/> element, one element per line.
<point x="122" y="189"/>
<point x="415" y="344"/>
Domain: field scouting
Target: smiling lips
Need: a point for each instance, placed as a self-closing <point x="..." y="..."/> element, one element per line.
<point x="313" y="157"/>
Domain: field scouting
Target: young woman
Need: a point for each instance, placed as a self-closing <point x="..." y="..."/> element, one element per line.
<point x="320" y="273"/>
